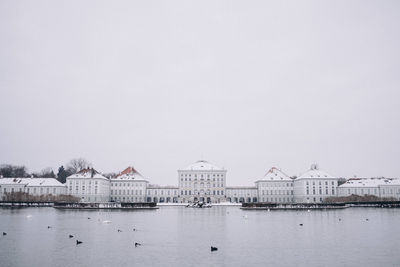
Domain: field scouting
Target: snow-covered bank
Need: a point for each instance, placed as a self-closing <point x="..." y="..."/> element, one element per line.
<point x="214" y="204"/>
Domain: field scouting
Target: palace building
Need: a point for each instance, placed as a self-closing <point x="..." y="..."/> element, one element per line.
<point x="202" y="181"/>
<point x="89" y="185"/>
<point x="276" y="186"/>
<point x="128" y="186"/>
<point x="32" y="186"/>
<point x="314" y="186"/>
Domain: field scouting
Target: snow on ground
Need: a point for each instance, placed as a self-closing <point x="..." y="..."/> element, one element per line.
<point x="213" y="204"/>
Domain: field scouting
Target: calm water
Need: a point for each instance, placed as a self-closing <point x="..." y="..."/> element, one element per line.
<point x="178" y="236"/>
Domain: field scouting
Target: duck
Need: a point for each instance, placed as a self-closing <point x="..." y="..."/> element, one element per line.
<point x="71" y="236"/>
<point x="137" y="244"/>
<point x="78" y="242"/>
<point x="214" y="248"/>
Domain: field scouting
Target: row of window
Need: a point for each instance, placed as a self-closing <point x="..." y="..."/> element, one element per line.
<point x="201" y="175"/>
<point x="127" y="184"/>
<point x="208" y="192"/>
<point x="277" y="199"/>
<point x="83" y="190"/>
<point x="175" y="192"/>
<point x="202" y="180"/>
<point x="123" y="199"/>
<point x="319" y="191"/>
<point x="276" y="184"/>
<point x="208" y="185"/>
<point x="320" y="183"/>
<point x="84" y="182"/>
<point x="33" y="190"/>
<point x="127" y="192"/>
<point x="374" y="191"/>
<point x="277" y="192"/>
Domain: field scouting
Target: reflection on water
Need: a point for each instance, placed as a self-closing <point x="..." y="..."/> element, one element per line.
<point x="179" y="236"/>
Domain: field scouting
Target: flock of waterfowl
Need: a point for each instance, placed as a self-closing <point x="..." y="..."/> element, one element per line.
<point x="78" y="242"/>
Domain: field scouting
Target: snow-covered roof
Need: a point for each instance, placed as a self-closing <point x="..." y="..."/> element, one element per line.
<point x="30" y="181"/>
<point x="87" y="173"/>
<point x="129" y="174"/>
<point x="369" y="182"/>
<point x="315" y="172"/>
<point x="275" y="174"/>
<point x="202" y="165"/>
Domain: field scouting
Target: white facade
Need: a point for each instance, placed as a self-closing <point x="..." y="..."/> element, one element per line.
<point x="202" y="181"/>
<point x="241" y="194"/>
<point x="128" y="186"/>
<point x="167" y="194"/>
<point x="89" y="185"/>
<point x="380" y="187"/>
<point x="276" y="187"/>
<point x="32" y="186"/>
<point x="314" y="186"/>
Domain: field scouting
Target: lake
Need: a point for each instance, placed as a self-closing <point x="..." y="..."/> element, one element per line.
<point x="179" y="236"/>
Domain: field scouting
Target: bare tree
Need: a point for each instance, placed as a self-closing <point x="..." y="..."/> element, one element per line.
<point x="76" y="165"/>
<point x="45" y="173"/>
<point x="7" y="170"/>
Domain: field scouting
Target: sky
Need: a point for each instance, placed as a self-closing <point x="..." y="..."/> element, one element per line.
<point x="246" y="85"/>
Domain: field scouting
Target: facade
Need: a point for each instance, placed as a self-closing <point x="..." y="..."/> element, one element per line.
<point x="128" y="186"/>
<point x="32" y="186"/>
<point x="314" y="186"/>
<point x="380" y="187"/>
<point x="89" y="185"/>
<point x="241" y="194"/>
<point x="276" y="187"/>
<point x="162" y="194"/>
<point x="202" y="181"/>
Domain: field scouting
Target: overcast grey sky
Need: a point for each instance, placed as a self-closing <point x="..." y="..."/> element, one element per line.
<point x="246" y="85"/>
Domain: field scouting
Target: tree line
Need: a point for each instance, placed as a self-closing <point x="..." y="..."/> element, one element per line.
<point x="73" y="166"/>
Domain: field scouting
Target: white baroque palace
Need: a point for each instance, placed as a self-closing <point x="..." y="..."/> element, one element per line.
<point x="203" y="181"/>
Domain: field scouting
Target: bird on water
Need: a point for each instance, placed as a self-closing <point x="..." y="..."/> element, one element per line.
<point x="71" y="236"/>
<point x="4" y="233"/>
<point x="214" y="248"/>
<point x="137" y="244"/>
<point x="78" y="242"/>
